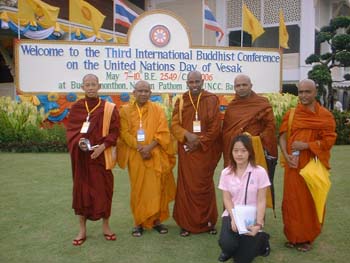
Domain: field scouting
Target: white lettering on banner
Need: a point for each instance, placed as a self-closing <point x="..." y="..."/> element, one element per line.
<point x="60" y="65"/>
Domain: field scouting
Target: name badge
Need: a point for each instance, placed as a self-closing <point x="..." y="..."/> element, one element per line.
<point x="85" y="127"/>
<point x="196" y="126"/>
<point x="140" y="135"/>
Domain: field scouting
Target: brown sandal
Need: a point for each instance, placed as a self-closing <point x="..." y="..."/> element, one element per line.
<point x="184" y="233"/>
<point x="160" y="228"/>
<point x="212" y="231"/>
<point x="110" y="237"/>
<point x="78" y="242"/>
<point x="304" y="247"/>
<point x="137" y="231"/>
<point x="289" y="245"/>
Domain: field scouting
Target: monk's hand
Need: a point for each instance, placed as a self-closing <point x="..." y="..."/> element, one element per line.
<point x="146" y="156"/>
<point x="97" y="150"/>
<point x="253" y="230"/>
<point x="192" y="141"/>
<point x="191" y="138"/>
<point x="145" y="151"/>
<point x="293" y="161"/>
<point x="299" y="146"/>
<point x="147" y="148"/>
<point x="194" y="146"/>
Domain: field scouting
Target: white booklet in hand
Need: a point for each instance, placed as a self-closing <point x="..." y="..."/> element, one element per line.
<point x="244" y="216"/>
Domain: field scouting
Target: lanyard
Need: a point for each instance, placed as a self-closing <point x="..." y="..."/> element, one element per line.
<point x="140" y="114"/>
<point x="246" y="189"/>
<point x="91" y="111"/>
<point x="195" y="108"/>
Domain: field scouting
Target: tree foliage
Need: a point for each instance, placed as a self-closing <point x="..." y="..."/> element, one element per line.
<point x="337" y="36"/>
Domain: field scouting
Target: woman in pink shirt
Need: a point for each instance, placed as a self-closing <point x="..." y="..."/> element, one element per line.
<point x="243" y="183"/>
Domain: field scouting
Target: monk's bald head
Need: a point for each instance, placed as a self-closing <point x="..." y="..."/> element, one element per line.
<point x="142" y="83"/>
<point x="307" y="82"/>
<point x="90" y="85"/>
<point x="243" y="77"/>
<point x="90" y="76"/>
<point x="142" y="92"/>
<point x="307" y="92"/>
<point x="195" y="82"/>
<point x="194" y="73"/>
<point x="243" y="86"/>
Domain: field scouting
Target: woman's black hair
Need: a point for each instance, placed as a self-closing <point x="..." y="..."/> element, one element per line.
<point x="247" y="142"/>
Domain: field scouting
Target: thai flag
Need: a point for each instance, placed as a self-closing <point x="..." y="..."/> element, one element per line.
<point x="123" y="15"/>
<point x="211" y="23"/>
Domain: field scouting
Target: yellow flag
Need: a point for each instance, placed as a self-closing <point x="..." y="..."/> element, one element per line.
<point x="25" y="11"/>
<point x="83" y="13"/>
<point x="283" y="33"/>
<point x="251" y="24"/>
<point x="4" y="16"/>
<point x="39" y="11"/>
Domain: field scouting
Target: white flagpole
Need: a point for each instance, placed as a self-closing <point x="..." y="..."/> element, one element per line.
<point x="242" y="25"/>
<point x="114" y="33"/>
<point x="69" y="24"/>
<point x="18" y="28"/>
<point x="18" y="23"/>
<point x="70" y="31"/>
<point x="203" y="30"/>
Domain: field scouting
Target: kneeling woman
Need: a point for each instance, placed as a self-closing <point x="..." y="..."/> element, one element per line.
<point x="242" y="183"/>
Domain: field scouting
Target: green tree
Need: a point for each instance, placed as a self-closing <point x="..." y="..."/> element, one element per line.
<point x="337" y="36"/>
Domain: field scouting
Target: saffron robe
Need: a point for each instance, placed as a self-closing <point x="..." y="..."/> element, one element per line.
<point x="151" y="181"/>
<point x="92" y="182"/>
<point x="317" y="128"/>
<point x="195" y="202"/>
<point x="253" y="115"/>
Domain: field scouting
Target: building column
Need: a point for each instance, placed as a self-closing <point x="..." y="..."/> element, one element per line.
<point x="307" y="35"/>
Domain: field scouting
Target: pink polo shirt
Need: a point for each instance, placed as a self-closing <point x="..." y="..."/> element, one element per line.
<point x="236" y="186"/>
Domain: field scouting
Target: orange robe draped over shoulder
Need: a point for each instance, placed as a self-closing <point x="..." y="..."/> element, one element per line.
<point x="195" y="202"/>
<point x="152" y="181"/>
<point x="92" y="182"/>
<point x="317" y="128"/>
<point x="253" y="115"/>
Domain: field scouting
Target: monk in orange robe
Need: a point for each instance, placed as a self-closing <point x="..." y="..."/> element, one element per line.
<point x="253" y="114"/>
<point x="312" y="133"/>
<point x="196" y="125"/>
<point x="145" y="148"/>
<point x="92" y="131"/>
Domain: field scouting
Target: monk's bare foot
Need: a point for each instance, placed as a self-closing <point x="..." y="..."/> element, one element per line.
<point x="108" y="234"/>
<point x="79" y="239"/>
<point x="106" y="229"/>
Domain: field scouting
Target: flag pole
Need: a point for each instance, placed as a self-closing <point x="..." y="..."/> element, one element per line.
<point x="69" y="23"/>
<point x="280" y="49"/>
<point x="18" y="18"/>
<point x="18" y="28"/>
<point x="279" y="26"/>
<point x="114" y="33"/>
<point x="203" y="17"/>
<point x="242" y="25"/>
<point x="70" y="31"/>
